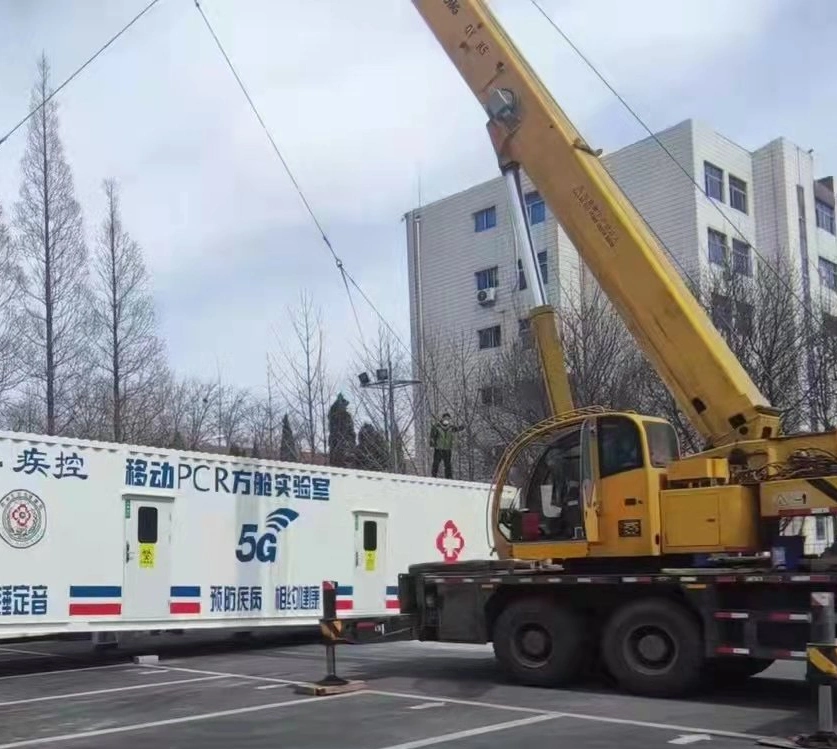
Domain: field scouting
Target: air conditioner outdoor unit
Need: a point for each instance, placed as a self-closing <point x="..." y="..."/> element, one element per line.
<point x="486" y="296"/>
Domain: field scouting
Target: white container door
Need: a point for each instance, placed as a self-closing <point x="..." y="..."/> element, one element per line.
<point x="147" y="558"/>
<point x="370" y="582"/>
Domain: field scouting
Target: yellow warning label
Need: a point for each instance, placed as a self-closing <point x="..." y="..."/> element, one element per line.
<point x="370" y="560"/>
<point x="146" y="555"/>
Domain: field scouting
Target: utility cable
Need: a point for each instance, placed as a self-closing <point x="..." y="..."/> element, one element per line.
<point x="78" y="71"/>
<point x="657" y="140"/>
<point x="347" y="277"/>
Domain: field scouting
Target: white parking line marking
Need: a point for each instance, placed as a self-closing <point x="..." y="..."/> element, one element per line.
<point x="110" y="690"/>
<point x="474" y="732"/>
<point x="667" y="727"/>
<point x="22" y="651"/>
<point x="691" y="738"/>
<point x="427" y="705"/>
<point x="272" y="686"/>
<point x="577" y="716"/>
<point x="472" y="703"/>
<point x="168" y="722"/>
<point x="229" y="675"/>
<point x="151" y="671"/>
<point x="62" y="671"/>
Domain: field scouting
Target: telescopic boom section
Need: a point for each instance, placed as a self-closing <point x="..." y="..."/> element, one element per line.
<point x="527" y="127"/>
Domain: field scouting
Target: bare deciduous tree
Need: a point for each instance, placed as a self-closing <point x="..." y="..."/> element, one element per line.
<point x="130" y="352"/>
<point x="759" y="311"/>
<point x="307" y="388"/>
<point x="50" y="240"/>
<point x="10" y="282"/>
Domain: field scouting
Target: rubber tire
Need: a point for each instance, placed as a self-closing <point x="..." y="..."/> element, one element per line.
<point x="727" y="670"/>
<point x="684" y="674"/>
<point x="566" y="631"/>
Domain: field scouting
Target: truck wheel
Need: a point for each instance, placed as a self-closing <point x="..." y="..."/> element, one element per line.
<point x="540" y="643"/>
<point x="725" y="670"/>
<point x="654" y="647"/>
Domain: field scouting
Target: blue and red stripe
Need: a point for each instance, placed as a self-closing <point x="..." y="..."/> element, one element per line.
<point x="392" y="598"/>
<point x="95" y="600"/>
<point x="185" y="599"/>
<point x="345" y="594"/>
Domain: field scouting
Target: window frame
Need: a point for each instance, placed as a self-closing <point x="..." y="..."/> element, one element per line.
<point x="715" y="179"/>
<point x="491" y="333"/>
<point x="724" y="244"/>
<point x="485" y="219"/>
<point x="492" y="273"/>
<point x="370" y="544"/>
<point x="824" y="214"/>
<point x="605" y="471"/>
<point x="535" y="208"/>
<point x="543" y="266"/>
<point x="143" y="536"/>
<point x="828" y="273"/>
<point x="738" y="186"/>
<point x="737" y="246"/>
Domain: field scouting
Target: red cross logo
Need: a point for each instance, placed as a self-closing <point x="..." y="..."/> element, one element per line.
<point x="450" y="542"/>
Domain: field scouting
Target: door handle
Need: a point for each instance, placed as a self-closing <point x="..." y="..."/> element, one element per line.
<point x="127" y="552"/>
<point x="357" y="559"/>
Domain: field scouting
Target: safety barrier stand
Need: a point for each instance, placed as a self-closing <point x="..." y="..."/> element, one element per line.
<point x="822" y="671"/>
<point x="331" y="629"/>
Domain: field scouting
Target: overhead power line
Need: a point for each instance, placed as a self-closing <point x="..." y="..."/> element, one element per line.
<point x="683" y="169"/>
<point x="347" y="278"/>
<point x="78" y="70"/>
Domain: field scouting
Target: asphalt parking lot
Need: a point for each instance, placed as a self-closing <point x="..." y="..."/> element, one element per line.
<point x="243" y="695"/>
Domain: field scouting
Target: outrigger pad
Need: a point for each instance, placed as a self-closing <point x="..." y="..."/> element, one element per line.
<point x="328" y="687"/>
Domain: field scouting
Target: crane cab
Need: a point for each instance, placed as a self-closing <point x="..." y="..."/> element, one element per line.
<point x="613" y="485"/>
<point x="593" y="490"/>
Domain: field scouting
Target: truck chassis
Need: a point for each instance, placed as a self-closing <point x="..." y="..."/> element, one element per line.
<point x="660" y="634"/>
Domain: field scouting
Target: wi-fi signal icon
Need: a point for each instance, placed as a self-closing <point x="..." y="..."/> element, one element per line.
<point x="281" y="518"/>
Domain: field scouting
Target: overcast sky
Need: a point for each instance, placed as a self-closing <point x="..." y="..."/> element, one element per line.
<point x="363" y="103"/>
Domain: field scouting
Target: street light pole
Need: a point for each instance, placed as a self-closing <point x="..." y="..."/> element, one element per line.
<point x="385" y="381"/>
<point x="393" y="429"/>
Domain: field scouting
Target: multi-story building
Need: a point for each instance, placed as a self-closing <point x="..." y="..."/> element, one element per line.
<point x="713" y="204"/>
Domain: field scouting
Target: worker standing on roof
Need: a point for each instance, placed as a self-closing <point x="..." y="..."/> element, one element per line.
<point x="441" y="440"/>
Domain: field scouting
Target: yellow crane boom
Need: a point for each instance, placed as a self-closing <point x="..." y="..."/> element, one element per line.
<point x="529" y="129"/>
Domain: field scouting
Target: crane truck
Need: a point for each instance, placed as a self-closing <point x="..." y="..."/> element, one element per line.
<point x="618" y="550"/>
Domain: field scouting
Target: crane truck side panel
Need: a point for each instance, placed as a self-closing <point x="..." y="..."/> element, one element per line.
<point x="98" y="537"/>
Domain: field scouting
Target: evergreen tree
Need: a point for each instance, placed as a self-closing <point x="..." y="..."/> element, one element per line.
<point x="341" y="433"/>
<point x="288" y="450"/>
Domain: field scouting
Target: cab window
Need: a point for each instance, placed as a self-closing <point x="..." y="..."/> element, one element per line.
<point x="662" y="443"/>
<point x="553" y="492"/>
<point x="620" y="445"/>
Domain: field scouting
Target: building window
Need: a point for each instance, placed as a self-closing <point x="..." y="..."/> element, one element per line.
<point x="721" y="312"/>
<point x="489" y="337"/>
<point x="487" y="278"/>
<point x="717" y="247"/>
<point x="491" y="395"/>
<point x="524" y="332"/>
<point x="521" y="277"/>
<point x="485" y="219"/>
<point x="744" y="319"/>
<point x="821" y="527"/>
<point x="741" y="263"/>
<point x="825" y="216"/>
<point x="738" y="194"/>
<point x="714" y="179"/>
<point x="535" y="207"/>
<point x="543" y="267"/>
<point x="829" y="325"/>
<point x="828" y="274"/>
